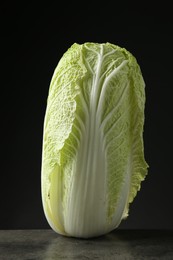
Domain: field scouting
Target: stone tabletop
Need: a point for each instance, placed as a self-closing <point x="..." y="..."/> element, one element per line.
<point x="119" y="244"/>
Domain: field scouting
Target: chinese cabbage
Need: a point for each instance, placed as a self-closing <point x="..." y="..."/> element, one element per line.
<point x="93" y="154"/>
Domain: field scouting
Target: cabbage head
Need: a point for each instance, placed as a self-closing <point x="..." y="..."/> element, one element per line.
<point x="93" y="152"/>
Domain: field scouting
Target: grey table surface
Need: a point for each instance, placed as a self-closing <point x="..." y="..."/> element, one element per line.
<point x="119" y="244"/>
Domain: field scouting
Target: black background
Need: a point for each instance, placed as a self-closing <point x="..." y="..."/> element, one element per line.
<point x="33" y="39"/>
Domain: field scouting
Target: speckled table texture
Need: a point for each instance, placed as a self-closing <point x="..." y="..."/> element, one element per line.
<point x="119" y="244"/>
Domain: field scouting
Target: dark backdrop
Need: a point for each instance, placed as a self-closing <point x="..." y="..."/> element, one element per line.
<point x="33" y="40"/>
